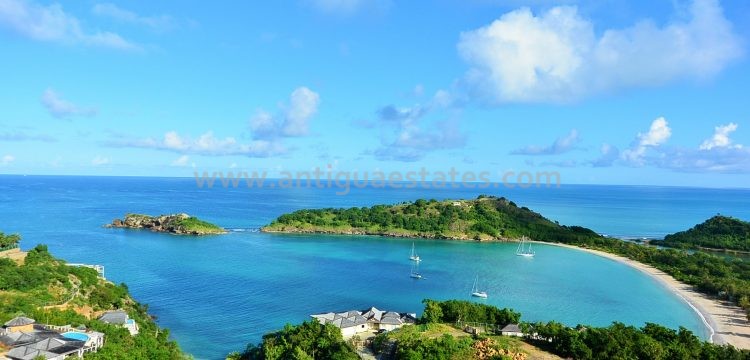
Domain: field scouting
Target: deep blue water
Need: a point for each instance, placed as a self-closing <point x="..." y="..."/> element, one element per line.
<point x="218" y="293"/>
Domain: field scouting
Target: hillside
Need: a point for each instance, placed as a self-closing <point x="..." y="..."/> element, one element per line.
<point x="485" y="218"/>
<point x="718" y="232"/>
<point x="46" y="289"/>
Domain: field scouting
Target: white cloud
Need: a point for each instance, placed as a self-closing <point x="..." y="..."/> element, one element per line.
<point x="609" y="154"/>
<point x="303" y="104"/>
<point x="181" y="161"/>
<point x="100" y="160"/>
<point x="721" y="139"/>
<point x="205" y="144"/>
<point x="658" y="134"/>
<point x="158" y="23"/>
<point x="410" y="138"/>
<point x="292" y="121"/>
<point x="52" y="24"/>
<point x="7" y="159"/>
<point x="557" y="56"/>
<point x="60" y="108"/>
<point x="560" y="146"/>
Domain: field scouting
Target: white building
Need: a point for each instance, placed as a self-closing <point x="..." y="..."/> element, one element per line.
<point x="354" y="322"/>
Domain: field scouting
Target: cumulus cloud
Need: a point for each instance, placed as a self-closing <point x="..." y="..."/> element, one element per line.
<point x="721" y="139"/>
<point x="52" y="24"/>
<point x="7" y="159"/>
<point x="560" y="146"/>
<point x="609" y="154"/>
<point x="658" y="134"/>
<point x="206" y="144"/>
<point x="61" y="108"/>
<point x="112" y="11"/>
<point x="557" y="56"/>
<point x="293" y="120"/>
<point x="410" y="137"/>
<point x="100" y="160"/>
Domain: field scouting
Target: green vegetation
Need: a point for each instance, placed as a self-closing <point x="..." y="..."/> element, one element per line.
<point x="618" y="341"/>
<point x="310" y="340"/>
<point x="451" y="311"/>
<point x="485" y="218"/>
<point x="179" y="224"/>
<point x="727" y="279"/>
<point x="193" y="224"/>
<point x="46" y="289"/>
<point x="8" y="241"/>
<point x="718" y="232"/>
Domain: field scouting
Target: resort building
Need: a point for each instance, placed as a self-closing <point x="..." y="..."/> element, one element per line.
<point x="120" y="317"/>
<point x="511" y="330"/>
<point x="354" y="322"/>
<point x="33" y="341"/>
<point x="19" y="324"/>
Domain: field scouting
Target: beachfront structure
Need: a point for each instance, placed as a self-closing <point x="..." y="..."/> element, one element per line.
<point x="120" y="317"/>
<point x="511" y="330"/>
<point x="49" y="344"/>
<point x="354" y="322"/>
<point x="19" y="324"/>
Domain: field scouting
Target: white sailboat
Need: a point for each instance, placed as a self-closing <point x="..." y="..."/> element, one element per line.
<point x="415" y="274"/>
<point x="522" y="250"/>
<point x="475" y="290"/>
<point x="414" y="256"/>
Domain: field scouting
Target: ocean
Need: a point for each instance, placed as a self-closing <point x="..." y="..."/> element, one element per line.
<point x="218" y="293"/>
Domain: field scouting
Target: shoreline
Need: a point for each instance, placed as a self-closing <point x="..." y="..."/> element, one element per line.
<point x="726" y="322"/>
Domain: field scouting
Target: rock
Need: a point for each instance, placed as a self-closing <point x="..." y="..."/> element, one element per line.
<point x="179" y="224"/>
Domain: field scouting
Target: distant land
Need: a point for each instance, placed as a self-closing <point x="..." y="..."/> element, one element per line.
<point x="717" y="233"/>
<point x="178" y="224"/>
<point x="485" y="218"/>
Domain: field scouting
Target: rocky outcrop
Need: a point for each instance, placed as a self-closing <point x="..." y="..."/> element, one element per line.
<point x="178" y="224"/>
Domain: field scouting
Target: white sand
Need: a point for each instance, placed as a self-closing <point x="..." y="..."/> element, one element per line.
<point x="726" y="322"/>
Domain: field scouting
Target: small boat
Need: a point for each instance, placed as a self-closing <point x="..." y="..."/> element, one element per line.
<point x="475" y="290"/>
<point x="414" y="256"/>
<point x="523" y="251"/>
<point x="415" y="274"/>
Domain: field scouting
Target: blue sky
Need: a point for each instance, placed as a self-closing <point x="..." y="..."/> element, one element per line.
<point x="603" y="92"/>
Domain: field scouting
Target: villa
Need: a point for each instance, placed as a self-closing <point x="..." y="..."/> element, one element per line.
<point x="354" y="322"/>
<point x="511" y="330"/>
<point x="120" y="317"/>
<point x="28" y="340"/>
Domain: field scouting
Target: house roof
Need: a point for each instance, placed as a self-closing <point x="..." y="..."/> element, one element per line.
<point x="19" y="321"/>
<point x="27" y="353"/>
<point x="118" y="317"/>
<point x="372" y="315"/>
<point x="511" y="328"/>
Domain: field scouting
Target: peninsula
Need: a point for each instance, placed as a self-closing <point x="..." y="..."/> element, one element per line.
<point x="178" y="224"/>
<point x="717" y="288"/>
<point x="719" y="233"/>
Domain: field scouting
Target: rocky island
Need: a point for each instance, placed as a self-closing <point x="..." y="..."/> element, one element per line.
<point x="178" y="224"/>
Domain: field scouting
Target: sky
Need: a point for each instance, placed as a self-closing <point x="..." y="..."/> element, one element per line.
<point x="602" y="92"/>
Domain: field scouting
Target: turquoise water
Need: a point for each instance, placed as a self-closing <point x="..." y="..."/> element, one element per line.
<point x="218" y="293"/>
<point x="75" y="336"/>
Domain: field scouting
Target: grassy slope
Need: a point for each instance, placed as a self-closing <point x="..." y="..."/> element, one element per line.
<point x="45" y="289"/>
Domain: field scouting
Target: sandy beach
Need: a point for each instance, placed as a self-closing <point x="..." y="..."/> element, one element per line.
<point x="726" y="322"/>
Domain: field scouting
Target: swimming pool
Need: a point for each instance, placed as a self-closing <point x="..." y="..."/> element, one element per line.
<point x="72" y="335"/>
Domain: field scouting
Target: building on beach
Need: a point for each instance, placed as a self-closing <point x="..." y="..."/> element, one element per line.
<point x="354" y="322"/>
